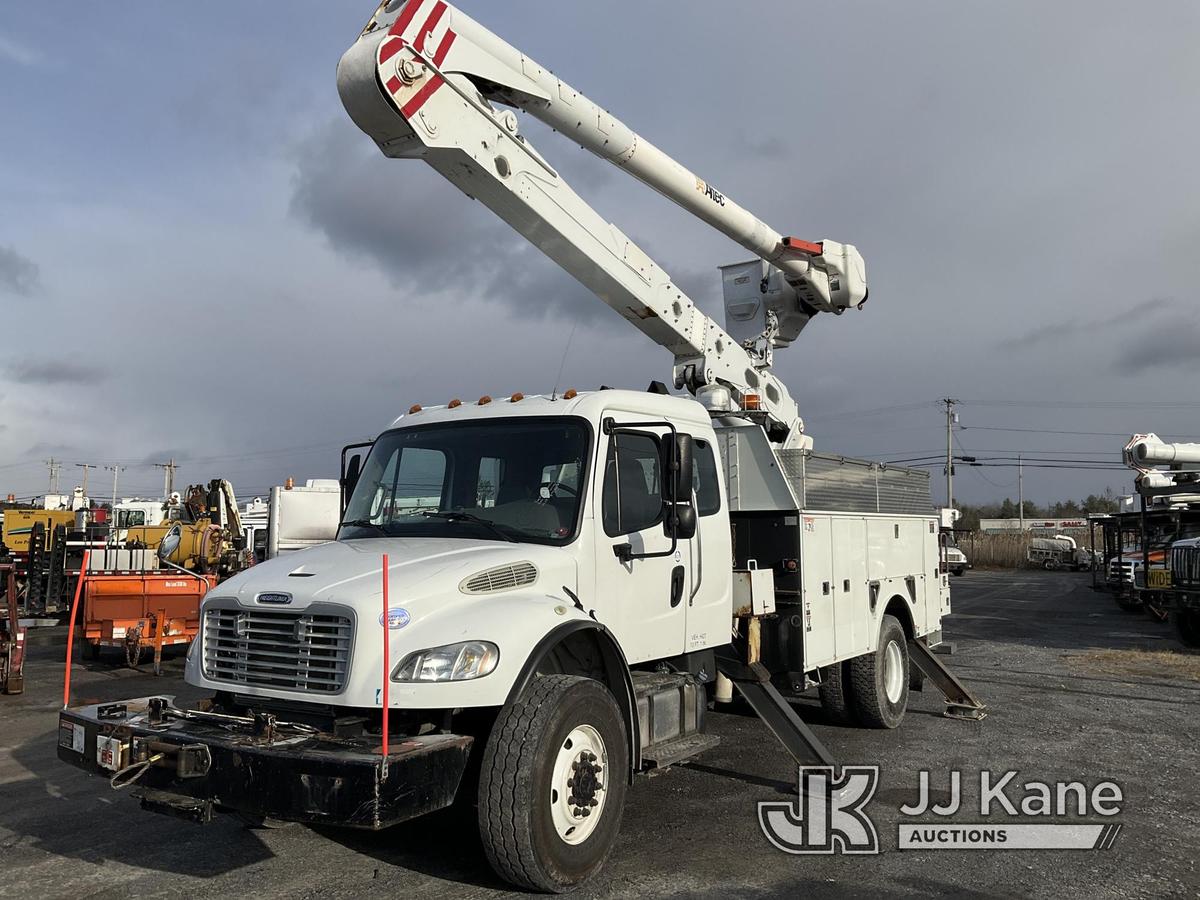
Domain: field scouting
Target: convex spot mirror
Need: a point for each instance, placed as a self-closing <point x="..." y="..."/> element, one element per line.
<point x="170" y="542"/>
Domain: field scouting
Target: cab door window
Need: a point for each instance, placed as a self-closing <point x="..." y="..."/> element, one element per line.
<point x="704" y="479"/>
<point x="632" y="499"/>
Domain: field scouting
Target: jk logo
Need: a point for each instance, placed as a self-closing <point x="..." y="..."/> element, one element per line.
<point x="827" y="816"/>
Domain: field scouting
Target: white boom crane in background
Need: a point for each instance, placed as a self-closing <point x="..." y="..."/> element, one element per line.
<point x="426" y="81"/>
<point x="1178" y="482"/>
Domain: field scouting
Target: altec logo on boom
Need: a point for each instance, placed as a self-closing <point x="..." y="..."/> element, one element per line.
<point x="400" y="35"/>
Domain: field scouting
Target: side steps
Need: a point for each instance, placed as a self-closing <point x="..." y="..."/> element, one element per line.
<point x="669" y="753"/>
<point x="960" y="702"/>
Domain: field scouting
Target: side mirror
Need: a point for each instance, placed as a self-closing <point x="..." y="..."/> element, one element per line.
<point x="676" y="466"/>
<point x="170" y="542"/>
<point x="350" y="478"/>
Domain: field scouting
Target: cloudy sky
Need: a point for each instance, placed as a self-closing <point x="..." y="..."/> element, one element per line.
<point x="201" y="257"/>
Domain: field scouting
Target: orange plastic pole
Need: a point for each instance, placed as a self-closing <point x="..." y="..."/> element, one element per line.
<point x="386" y="656"/>
<point x="87" y="555"/>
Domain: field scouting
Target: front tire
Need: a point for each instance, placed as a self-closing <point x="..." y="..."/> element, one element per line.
<point x="552" y="785"/>
<point x="879" y="681"/>
<point x="1187" y="626"/>
<point x="1129" y="606"/>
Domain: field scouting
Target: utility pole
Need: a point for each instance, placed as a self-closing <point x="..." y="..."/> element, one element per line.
<point x="85" y="467"/>
<point x="1021" y="492"/>
<point x="950" y="418"/>
<point x="116" y="470"/>
<point x="53" y="465"/>
<point x="168" y="468"/>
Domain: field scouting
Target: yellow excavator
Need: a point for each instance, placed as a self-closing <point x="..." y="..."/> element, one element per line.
<point x="210" y="527"/>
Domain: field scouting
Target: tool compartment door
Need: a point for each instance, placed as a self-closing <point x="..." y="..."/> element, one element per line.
<point x="816" y="579"/>
<point x="851" y="587"/>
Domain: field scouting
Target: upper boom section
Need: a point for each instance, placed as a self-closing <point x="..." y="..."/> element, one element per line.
<point x="421" y="81"/>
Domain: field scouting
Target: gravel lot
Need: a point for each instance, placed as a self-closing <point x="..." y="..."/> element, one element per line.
<point x="1077" y="690"/>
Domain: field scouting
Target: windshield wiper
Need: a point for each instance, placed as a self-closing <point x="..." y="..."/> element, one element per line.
<point x="367" y="523"/>
<point x="453" y="516"/>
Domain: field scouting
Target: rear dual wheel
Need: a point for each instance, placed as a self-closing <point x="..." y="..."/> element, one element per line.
<point x="871" y="690"/>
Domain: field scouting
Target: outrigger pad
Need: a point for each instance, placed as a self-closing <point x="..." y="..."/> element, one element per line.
<point x="960" y="702"/>
<point x="289" y="775"/>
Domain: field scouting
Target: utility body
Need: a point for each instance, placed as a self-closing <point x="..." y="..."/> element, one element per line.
<point x="563" y="583"/>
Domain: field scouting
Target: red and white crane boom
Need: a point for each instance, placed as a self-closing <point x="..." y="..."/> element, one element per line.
<point x="426" y="81"/>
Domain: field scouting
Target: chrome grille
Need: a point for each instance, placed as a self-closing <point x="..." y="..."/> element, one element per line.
<point x="1121" y="569"/>
<point x="1185" y="566"/>
<point x="295" y="651"/>
<point x="501" y="578"/>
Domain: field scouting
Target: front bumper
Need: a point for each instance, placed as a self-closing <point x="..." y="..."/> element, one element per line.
<point x="203" y="767"/>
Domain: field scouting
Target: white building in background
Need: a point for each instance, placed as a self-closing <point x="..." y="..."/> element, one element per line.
<point x="1013" y="526"/>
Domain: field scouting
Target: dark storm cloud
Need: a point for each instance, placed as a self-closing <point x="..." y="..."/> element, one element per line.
<point x="42" y="447"/>
<point x="1053" y="332"/>
<point x="18" y="274"/>
<point x="1165" y="344"/>
<point x="978" y="170"/>
<point x="55" y="373"/>
<point x="426" y="235"/>
<point x="162" y="456"/>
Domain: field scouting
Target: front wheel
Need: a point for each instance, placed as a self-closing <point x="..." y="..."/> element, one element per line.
<point x="1187" y="626"/>
<point x="1129" y="606"/>
<point x="879" y="681"/>
<point x="552" y="785"/>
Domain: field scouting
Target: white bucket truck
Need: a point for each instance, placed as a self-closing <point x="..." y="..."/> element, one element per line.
<point x="568" y="576"/>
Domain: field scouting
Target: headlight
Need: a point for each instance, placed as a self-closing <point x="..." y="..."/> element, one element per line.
<point x="453" y="662"/>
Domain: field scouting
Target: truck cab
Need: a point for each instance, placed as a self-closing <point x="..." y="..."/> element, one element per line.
<point x="504" y="523"/>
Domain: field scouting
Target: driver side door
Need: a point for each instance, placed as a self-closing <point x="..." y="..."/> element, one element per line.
<point x="643" y="599"/>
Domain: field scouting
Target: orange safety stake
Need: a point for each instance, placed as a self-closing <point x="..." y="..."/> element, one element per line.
<point x="87" y="555"/>
<point x="387" y="626"/>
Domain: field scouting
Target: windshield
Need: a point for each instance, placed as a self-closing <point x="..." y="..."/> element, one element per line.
<point x="505" y="479"/>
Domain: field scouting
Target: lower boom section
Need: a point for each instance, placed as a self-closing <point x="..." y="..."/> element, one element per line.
<point x="193" y="764"/>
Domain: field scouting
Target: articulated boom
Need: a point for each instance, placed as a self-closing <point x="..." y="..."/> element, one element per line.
<point x="421" y="81"/>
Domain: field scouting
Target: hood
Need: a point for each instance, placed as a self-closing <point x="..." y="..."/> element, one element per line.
<point x="421" y="570"/>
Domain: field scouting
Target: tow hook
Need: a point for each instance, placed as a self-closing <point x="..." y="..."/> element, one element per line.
<point x="265" y="725"/>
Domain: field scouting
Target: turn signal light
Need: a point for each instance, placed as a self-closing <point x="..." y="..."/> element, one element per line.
<point x="752" y="402"/>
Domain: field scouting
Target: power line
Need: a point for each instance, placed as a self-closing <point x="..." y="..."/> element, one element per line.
<point x="958" y="441"/>
<point x="1088" y="404"/>
<point x="882" y="410"/>
<point x="1124" y="434"/>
